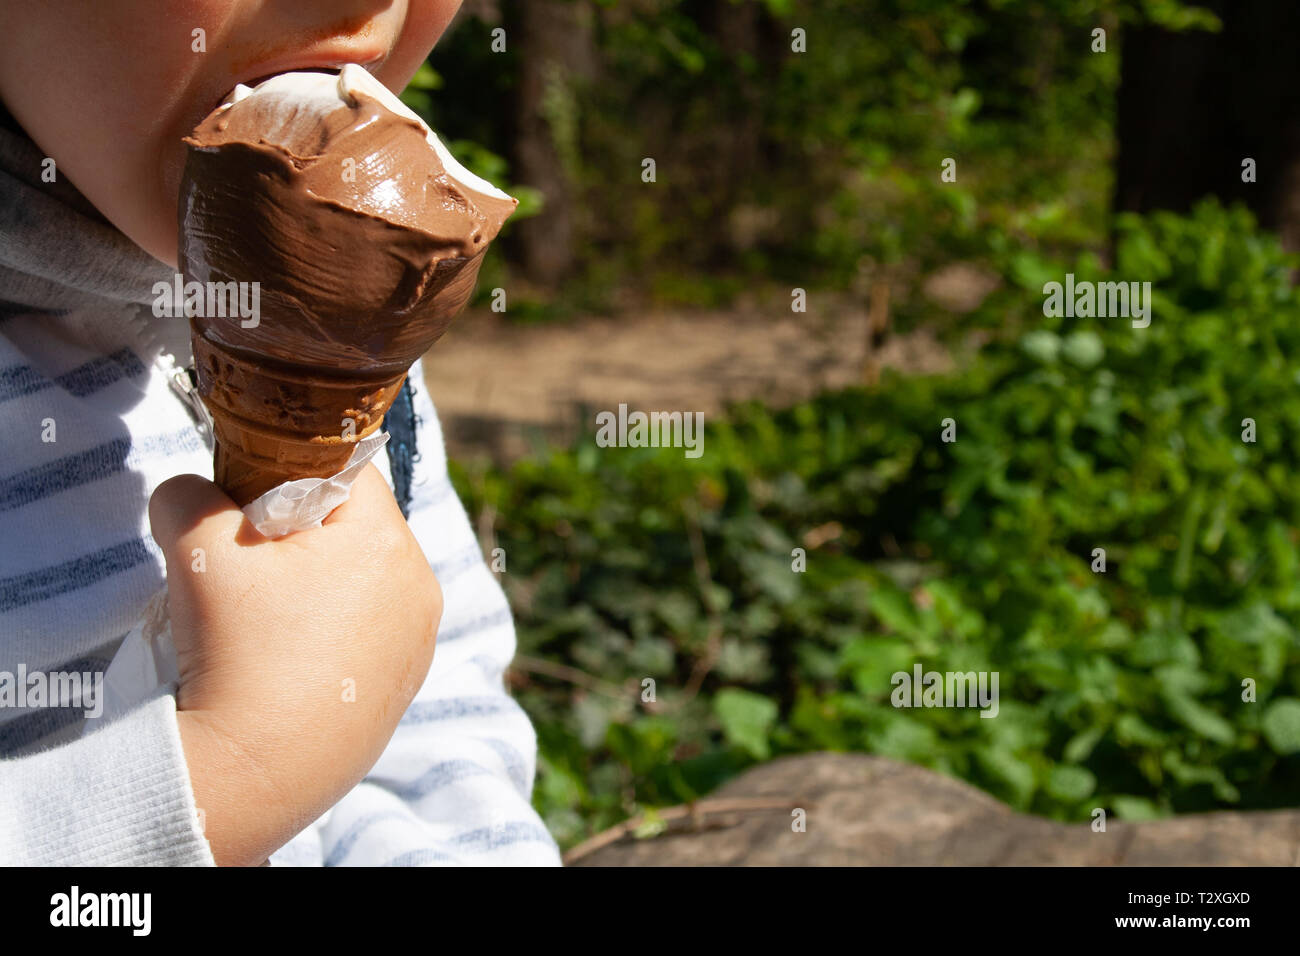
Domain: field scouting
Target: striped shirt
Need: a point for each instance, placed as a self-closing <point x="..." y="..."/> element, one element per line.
<point x="92" y="424"/>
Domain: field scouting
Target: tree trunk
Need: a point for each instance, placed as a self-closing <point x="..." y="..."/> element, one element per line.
<point x="1193" y="106"/>
<point x="553" y="41"/>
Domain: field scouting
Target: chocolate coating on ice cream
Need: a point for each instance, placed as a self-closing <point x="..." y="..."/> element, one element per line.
<point x="365" y="235"/>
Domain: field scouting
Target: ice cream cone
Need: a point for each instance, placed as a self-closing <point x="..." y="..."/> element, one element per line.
<point x="276" y="423"/>
<point x="327" y="238"/>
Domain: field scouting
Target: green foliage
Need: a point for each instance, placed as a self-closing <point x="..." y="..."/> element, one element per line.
<point x="825" y="164"/>
<point x="747" y="720"/>
<point x="818" y="169"/>
<point x="1121" y="689"/>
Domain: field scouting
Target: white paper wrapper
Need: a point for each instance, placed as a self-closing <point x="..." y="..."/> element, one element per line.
<point x="305" y="503"/>
<point x="146" y="658"/>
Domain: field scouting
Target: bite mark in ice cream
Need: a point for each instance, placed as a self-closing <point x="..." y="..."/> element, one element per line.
<point x="366" y="237"/>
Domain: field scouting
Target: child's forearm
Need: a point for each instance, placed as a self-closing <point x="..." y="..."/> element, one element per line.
<point x="243" y="818"/>
<point x="251" y="804"/>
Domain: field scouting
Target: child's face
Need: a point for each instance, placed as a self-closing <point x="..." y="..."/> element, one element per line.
<point x="109" y="88"/>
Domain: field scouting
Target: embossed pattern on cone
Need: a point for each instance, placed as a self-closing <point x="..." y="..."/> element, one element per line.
<point x="275" y="425"/>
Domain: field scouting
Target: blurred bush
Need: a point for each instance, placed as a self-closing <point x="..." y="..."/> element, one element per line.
<point x="1120" y="689"/>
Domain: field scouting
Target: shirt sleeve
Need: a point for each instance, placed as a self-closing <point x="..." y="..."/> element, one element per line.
<point x="118" y="796"/>
<point x="454" y="784"/>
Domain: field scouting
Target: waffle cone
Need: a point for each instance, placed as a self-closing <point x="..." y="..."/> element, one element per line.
<point x="274" y="424"/>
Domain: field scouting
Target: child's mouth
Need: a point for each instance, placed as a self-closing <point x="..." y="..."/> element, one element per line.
<point x="331" y="71"/>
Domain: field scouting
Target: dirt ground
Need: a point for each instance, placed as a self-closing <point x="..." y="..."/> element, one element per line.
<point x="501" y="387"/>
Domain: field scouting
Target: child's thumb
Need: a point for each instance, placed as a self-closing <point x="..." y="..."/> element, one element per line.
<point x="188" y="508"/>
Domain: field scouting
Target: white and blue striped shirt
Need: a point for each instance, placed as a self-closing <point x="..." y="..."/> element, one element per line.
<point x="83" y="360"/>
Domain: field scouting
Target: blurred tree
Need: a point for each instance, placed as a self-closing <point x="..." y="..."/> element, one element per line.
<point x="817" y="163"/>
<point x="1193" y="105"/>
<point x="555" y="50"/>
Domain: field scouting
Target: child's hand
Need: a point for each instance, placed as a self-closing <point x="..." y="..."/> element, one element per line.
<point x="297" y="656"/>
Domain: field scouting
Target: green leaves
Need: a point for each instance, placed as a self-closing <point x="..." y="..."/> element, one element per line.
<point x="1041" y="345"/>
<point x="1281" y="725"/>
<point x="871" y="662"/>
<point x="1009" y="775"/>
<point x="1071" y="784"/>
<point x="1119" y="688"/>
<point x="1199" y="719"/>
<point x="1083" y="348"/>
<point x="746" y="720"/>
<point x="1133" y="809"/>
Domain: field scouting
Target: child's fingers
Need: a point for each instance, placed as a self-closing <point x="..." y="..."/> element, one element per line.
<point x="181" y="504"/>
<point x="371" y="502"/>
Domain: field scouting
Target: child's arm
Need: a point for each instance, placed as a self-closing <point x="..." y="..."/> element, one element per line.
<point x="270" y="636"/>
<point x="298" y="658"/>
<point x="119" y="796"/>
<point x="454" y="783"/>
